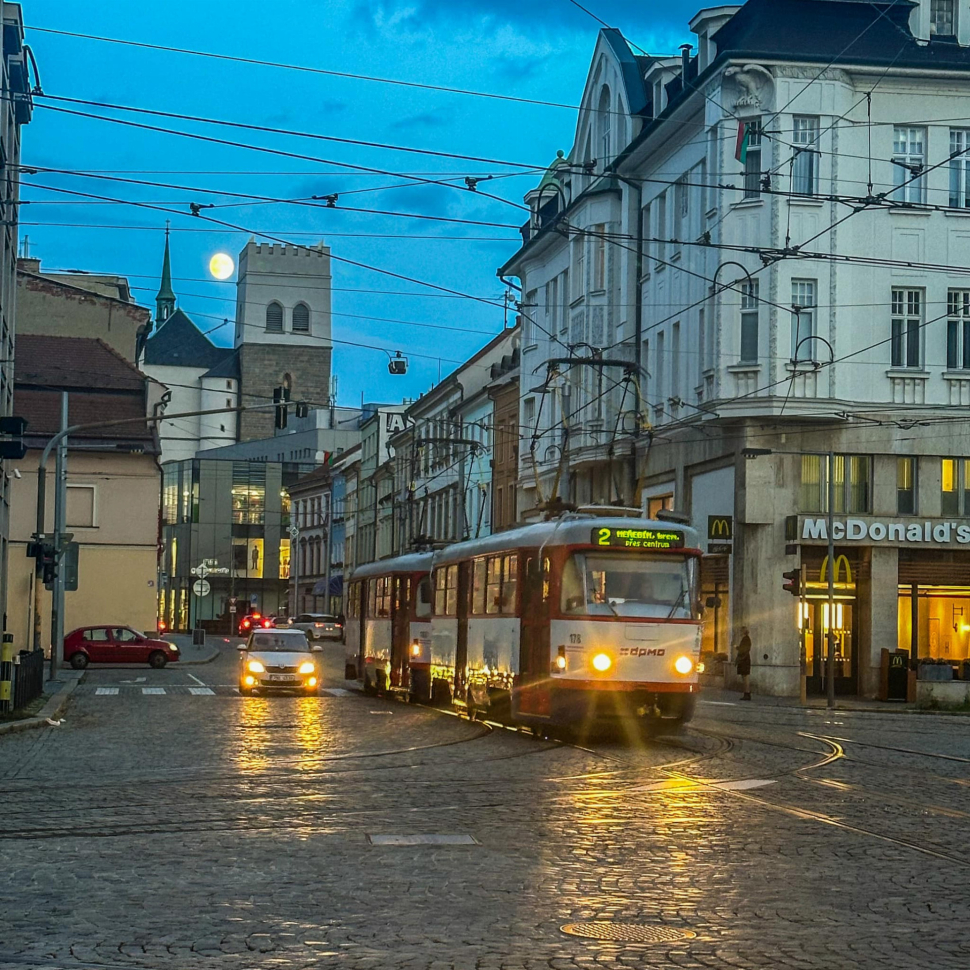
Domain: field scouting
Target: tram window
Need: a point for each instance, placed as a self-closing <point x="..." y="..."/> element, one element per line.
<point x="479" y="570"/>
<point x="546" y="573"/>
<point x="493" y="599"/>
<point x="627" y="586"/>
<point x="509" y="582"/>
<point x="439" y="592"/>
<point x="423" y="597"/>
<point x="451" y="592"/>
<point x="384" y="596"/>
<point x="372" y="598"/>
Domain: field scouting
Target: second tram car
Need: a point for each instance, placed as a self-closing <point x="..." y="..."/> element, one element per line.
<point x="569" y="620"/>
<point x="388" y="628"/>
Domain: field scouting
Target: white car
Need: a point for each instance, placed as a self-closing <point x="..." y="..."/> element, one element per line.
<point x="319" y="626"/>
<point x="278" y="660"/>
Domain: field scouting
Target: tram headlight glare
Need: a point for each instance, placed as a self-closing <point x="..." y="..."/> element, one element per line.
<point x="683" y="665"/>
<point x="416" y="649"/>
<point x="561" y="663"/>
<point x="602" y="662"/>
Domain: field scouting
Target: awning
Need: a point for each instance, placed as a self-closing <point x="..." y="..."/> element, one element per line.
<point x="337" y="585"/>
<point x="320" y="588"/>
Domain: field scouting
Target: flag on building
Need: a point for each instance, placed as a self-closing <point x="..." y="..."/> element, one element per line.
<point x="744" y="139"/>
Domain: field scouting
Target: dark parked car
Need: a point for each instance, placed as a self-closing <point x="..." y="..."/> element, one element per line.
<point x="116" y="645"/>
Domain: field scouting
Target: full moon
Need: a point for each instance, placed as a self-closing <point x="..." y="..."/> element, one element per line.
<point x="221" y="266"/>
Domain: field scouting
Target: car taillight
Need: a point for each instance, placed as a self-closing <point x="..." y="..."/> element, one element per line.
<point x="267" y="623"/>
<point x="245" y="623"/>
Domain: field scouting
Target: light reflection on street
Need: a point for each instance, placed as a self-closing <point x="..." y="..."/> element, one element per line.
<point x="249" y="744"/>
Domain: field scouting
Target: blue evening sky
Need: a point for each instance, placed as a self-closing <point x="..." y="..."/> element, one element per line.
<point x="527" y="48"/>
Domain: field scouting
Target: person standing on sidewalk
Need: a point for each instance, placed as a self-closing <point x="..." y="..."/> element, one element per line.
<point x="744" y="663"/>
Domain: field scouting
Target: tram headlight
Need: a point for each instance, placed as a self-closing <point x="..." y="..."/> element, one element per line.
<point x="683" y="665"/>
<point x="602" y="662"/>
<point x="416" y="649"/>
<point x="560" y="663"/>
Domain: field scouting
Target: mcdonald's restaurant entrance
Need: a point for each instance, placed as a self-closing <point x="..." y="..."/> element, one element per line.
<point x="815" y="621"/>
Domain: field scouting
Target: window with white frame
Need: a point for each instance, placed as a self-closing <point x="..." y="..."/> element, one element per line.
<point x="564" y="301"/>
<point x="529" y="309"/>
<point x="960" y="168"/>
<point x="659" y="367"/>
<point x="750" y="322"/>
<point x="702" y="339"/>
<point x="804" y="308"/>
<point x="751" y="159"/>
<point x="662" y="232"/>
<point x="958" y="330"/>
<point x="682" y="205"/>
<point x="645" y="233"/>
<point x="551" y="308"/>
<point x="675" y="367"/>
<point x="605" y="121"/>
<point x="805" y="135"/>
<point x="529" y="415"/>
<point x="599" y="256"/>
<point x="943" y="20"/>
<point x="578" y="270"/>
<point x="909" y="162"/>
<point x="907" y="325"/>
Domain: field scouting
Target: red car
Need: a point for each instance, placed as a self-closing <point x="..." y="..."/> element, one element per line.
<point x="254" y="621"/>
<point x="116" y="645"/>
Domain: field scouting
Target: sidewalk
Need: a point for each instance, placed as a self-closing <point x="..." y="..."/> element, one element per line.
<point x="191" y="654"/>
<point x="720" y="696"/>
<point x="59" y="692"/>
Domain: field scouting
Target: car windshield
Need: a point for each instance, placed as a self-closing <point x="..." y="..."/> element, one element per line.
<point x="279" y="642"/>
<point x="628" y="586"/>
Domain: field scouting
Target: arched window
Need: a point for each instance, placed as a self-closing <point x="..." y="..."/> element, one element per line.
<point x="301" y="318"/>
<point x="274" y="318"/>
<point x="604" y="116"/>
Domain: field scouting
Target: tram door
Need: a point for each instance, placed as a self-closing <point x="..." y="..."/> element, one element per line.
<point x="400" y="629"/>
<point x="461" y="647"/>
<point x="533" y="679"/>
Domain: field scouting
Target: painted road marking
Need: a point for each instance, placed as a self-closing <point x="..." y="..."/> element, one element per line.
<point x="422" y="840"/>
<point x="201" y="683"/>
<point x="153" y="690"/>
<point x="201" y="691"/>
<point x="107" y="690"/>
<point x="337" y="692"/>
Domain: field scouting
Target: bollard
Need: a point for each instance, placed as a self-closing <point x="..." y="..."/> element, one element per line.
<point x="6" y="673"/>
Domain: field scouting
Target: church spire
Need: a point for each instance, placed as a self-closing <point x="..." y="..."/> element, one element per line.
<point x="165" y="298"/>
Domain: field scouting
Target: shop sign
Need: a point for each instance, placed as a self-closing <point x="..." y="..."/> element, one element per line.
<point x="859" y="530"/>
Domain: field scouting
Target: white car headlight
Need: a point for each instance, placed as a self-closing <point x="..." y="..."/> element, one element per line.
<point x="255" y="667"/>
<point x="307" y="668"/>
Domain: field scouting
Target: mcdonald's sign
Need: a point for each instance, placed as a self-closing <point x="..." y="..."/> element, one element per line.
<point x="720" y="527"/>
<point x="840" y="562"/>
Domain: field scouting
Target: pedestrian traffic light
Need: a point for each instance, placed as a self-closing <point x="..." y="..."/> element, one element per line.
<point x="281" y="395"/>
<point x="793" y="582"/>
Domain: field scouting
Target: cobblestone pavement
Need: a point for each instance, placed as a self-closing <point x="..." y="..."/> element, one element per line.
<point x="170" y="823"/>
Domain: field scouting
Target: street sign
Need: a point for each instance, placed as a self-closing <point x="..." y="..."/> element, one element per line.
<point x="232" y="609"/>
<point x="201" y="588"/>
<point x="202" y="570"/>
<point x="720" y="549"/>
<point x="232" y="600"/>
<point x="294" y="531"/>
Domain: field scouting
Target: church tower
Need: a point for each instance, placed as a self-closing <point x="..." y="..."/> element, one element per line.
<point x="165" y="298"/>
<point x="282" y="328"/>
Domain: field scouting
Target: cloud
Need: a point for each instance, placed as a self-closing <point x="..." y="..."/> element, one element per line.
<point x="426" y="119"/>
<point x="511" y="68"/>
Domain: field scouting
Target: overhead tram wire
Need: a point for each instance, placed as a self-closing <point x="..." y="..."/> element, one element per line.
<point x="275" y="151"/>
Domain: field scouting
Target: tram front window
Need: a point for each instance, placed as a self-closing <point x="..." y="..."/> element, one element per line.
<point x="627" y="586"/>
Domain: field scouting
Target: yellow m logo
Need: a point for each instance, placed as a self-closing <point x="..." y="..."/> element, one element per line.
<point x="720" y="527"/>
<point x="840" y="562"/>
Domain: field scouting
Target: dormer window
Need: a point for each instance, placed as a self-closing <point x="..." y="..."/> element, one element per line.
<point x="943" y="18"/>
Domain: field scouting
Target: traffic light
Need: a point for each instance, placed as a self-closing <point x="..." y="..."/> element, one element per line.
<point x="793" y="582"/>
<point x="281" y="395"/>
<point x="302" y="409"/>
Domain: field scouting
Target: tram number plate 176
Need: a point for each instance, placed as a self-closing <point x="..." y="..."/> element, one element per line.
<point x="637" y="539"/>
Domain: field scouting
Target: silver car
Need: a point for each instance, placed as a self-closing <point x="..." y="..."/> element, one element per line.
<point x="278" y="660"/>
<point x="319" y="626"/>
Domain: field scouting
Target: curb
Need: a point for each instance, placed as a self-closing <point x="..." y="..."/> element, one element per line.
<point x="55" y="705"/>
<point x="207" y="660"/>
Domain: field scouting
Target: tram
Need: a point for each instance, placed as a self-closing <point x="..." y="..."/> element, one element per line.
<point x="567" y="621"/>
<point x="388" y="628"/>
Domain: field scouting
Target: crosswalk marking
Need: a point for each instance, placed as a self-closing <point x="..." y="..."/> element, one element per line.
<point x="107" y="690"/>
<point x="201" y="691"/>
<point x="153" y="690"/>
<point x="183" y="690"/>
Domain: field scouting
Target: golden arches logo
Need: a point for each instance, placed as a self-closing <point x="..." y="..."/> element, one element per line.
<point x="840" y="562"/>
<point x="720" y="527"/>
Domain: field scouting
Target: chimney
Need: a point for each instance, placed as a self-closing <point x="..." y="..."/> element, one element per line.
<point x="685" y="50"/>
<point x="29" y="264"/>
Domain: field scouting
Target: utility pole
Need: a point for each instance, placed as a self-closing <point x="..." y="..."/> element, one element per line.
<point x="60" y="510"/>
<point x="295" y="568"/>
<point x="326" y="571"/>
<point x="830" y="631"/>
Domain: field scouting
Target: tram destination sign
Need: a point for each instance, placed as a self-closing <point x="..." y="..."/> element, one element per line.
<point x="637" y="539"/>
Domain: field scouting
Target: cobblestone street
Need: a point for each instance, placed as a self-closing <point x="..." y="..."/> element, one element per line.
<point x="170" y="823"/>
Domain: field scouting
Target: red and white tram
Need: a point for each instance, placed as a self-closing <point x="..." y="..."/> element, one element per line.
<point x="388" y="628"/>
<point x="570" y="620"/>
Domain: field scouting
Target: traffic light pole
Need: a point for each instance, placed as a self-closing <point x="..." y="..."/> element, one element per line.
<point x="830" y="666"/>
<point x="60" y="517"/>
